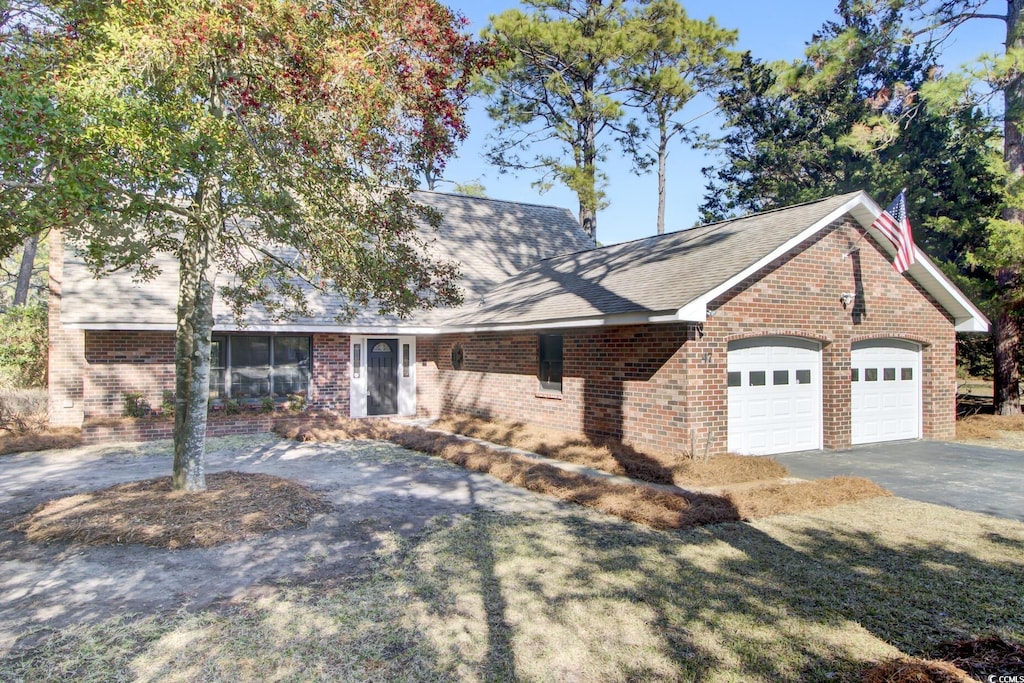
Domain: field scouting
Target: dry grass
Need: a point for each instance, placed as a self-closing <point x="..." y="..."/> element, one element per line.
<point x="777" y="499"/>
<point x="41" y="440"/>
<point x="571" y="595"/>
<point x="983" y="657"/>
<point x="903" y="670"/>
<point x="235" y="506"/>
<point x="611" y="455"/>
<point x="636" y="503"/>
<point x="23" y="423"/>
<point x="980" y="426"/>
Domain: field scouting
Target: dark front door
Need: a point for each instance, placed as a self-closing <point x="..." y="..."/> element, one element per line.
<point x="382" y="376"/>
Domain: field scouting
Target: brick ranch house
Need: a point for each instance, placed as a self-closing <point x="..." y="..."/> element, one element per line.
<point x="781" y="331"/>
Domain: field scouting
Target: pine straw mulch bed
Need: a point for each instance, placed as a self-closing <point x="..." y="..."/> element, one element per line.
<point x="983" y="427"/>
<point x="234" y="507"/>
<point x="962" y="661"/>
<point x="636" y="503"/>
<point x="611" y="455"/>
<point x="39" y="440"/>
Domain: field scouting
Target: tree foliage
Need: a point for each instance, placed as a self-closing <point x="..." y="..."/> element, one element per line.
<point x="680" y="57"/>
<point x="23" y="343"/>
<point x="868" y="108"/>
<point x="262" y="144"/>
<point x="553" y="94"/>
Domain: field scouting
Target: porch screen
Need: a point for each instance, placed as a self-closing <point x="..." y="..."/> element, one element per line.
<point x="254" y="366"/>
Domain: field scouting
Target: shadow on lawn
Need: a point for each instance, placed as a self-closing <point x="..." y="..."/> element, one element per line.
<point x="571" y="597"/>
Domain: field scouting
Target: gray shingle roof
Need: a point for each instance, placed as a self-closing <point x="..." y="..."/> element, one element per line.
<point x="652" y="276"/>
<point x="491" y="239"/>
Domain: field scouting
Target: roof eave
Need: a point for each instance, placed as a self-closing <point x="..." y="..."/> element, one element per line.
<point x="966" y="316"/>
<point x="696" y="310"/>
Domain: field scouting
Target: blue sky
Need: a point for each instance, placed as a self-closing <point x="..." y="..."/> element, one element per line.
<point x="770" y="30"/>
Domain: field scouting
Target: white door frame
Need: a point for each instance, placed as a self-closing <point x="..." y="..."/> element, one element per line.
<point x="357" y="374"/>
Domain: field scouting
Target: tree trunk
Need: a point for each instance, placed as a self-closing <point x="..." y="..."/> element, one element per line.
<point x="197" y="276"/>
<point x="28" y="261"/>
<point x="1006" y="338"/>
<point x="588" y="191"/>
<point x="586" y="188"/>
<point x="1006" y="333"/>
<point x="662" y="163"/>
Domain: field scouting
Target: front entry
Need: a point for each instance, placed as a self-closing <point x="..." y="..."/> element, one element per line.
<point x="382" y="377"/>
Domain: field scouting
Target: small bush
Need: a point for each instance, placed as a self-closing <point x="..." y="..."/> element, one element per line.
<point x="167" y="405"/>
<point x="296" y="403"/>
<point x="135" y="405"/>
<point x="22" y="410"/>
<point x="267" y="405"/>
<point x="232" y="407"/>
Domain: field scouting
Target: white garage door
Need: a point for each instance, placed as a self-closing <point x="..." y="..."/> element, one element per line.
<point x="774" y="395"/>
<point x="885" y="383"/>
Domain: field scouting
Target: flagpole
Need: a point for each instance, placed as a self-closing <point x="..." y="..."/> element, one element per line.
<point x="864" y="234"/>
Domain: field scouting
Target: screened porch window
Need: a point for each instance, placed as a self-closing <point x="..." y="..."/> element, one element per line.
<point x="254" y="366"/>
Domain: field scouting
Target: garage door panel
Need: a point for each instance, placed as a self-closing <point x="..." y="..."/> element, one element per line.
<point x="756" y="408"/>
<point x="889" y="408"/>
<point x="775" y="406"/>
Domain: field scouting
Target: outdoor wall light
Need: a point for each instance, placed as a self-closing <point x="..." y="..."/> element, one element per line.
<point x="847" y="298"/>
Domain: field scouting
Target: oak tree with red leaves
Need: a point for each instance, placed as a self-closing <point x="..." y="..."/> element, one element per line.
<point x="229" y="133"/>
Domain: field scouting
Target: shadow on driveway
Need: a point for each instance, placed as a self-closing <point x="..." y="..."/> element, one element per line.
<point x="968" y="477"/>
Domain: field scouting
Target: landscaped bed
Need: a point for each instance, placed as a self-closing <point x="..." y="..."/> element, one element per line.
<point x="635" y="502"/>
<point x="235" y="506"/>
<point x="1003" y="431"/>
<point x="611" y="455"/>
<point x="41" y="439"/>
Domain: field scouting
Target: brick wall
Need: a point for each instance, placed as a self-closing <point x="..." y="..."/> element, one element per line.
<point x="122" y="362"/>
<point x="627" y="382"/>
<point x="428" y="376"/>
<point x="330" y="381"/>
<point x="108" y="364"/>
<point x="150" y="429"/>
<point x="66" y="352"/>
<point x="665" y="386"/>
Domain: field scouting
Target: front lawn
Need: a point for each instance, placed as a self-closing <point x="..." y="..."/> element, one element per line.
<point x="582" y="596"/>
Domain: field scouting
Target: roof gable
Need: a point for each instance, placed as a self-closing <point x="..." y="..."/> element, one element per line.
<point x="490" y="239"/>
<point x="674" y="277"/>
<point x="526" y="266"/>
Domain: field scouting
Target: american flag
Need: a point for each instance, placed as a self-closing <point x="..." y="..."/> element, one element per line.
<point x="894" y="224"/>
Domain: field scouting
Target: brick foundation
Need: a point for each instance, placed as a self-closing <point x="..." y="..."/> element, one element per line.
<point x="153" y="428"/>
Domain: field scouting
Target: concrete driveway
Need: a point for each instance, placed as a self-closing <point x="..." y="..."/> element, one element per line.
<point x="977" y="478"/>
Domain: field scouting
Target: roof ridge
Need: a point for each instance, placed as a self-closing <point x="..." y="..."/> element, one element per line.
<point x="715" y="225"/>
<point x="456" y="195"/>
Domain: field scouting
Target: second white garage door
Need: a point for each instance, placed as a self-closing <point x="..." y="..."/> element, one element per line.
<point x="774" y="395"/>
<point x="885" y="390"/>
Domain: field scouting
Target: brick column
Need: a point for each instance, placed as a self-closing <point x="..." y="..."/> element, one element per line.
<point x="66" y="352"/>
